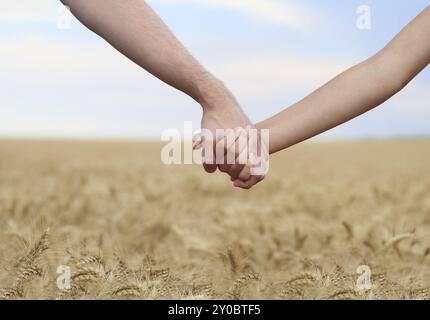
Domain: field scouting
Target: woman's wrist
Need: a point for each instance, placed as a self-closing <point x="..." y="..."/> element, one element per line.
<point x="279" y="138"/>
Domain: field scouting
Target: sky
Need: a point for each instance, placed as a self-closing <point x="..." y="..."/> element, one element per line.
<point x="60" y="82"/>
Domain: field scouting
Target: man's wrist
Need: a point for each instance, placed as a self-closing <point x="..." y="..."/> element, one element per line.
<point x="212" y="94"/>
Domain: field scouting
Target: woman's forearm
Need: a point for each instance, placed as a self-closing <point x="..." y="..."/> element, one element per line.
<point x="134" y="29"/>
<point x="355" y="91"/>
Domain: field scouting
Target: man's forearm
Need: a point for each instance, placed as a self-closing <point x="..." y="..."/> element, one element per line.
<point x="134" y="29"/>
<point x="355" y="91"/>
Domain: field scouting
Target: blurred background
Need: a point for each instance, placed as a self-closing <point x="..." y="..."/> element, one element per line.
<point x="59" y="80"/>
<point x="129" y="226"/>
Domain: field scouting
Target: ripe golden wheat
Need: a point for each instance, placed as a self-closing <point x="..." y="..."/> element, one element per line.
<point x="129" y="227"/>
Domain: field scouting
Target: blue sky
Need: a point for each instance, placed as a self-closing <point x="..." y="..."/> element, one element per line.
<point x="271" y="53"/>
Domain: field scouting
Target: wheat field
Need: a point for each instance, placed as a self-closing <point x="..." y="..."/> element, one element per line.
<point x="129" y="227"/>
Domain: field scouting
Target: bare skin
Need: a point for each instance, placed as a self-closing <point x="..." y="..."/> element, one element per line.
<point x="354" y="92"/>
<point x="135" y="30"/>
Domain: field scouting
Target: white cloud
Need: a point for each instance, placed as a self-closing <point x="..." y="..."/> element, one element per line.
<point x="60" y="61"/>
<point x="282" y="12"/>
<point x="32" y="54"/>
<point x="26" y="11"/>
<point x="270" y="75"/>
<point x="273" y="74"/>
<point x="94" y="70"/>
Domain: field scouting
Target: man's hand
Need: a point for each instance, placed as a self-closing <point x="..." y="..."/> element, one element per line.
<point x="221" y="113"/>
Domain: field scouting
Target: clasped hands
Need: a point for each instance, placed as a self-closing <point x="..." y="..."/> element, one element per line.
<point x="231" y="144"/>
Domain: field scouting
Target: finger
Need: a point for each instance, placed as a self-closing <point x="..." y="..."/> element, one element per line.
<point x="247" y="184"/>
<point x="230" y="141"/>
<point x="225" y="168"/>
<point x="209" y="163"/>
<point x="241" y="147"/>
<point x="197" y="140"/>
<point x="237" y="168"/>
<point x="245" y="174"/>
<point x="219" y="148"/>
<point x="258" y="179"/>
<point x="242" y="184"/>
<point x="209" y="168"/>
<point x="260" y="169"/>
<point x="197" y="145"/>
<point x="224" y="150"/>
<point x="235" y="171"/>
